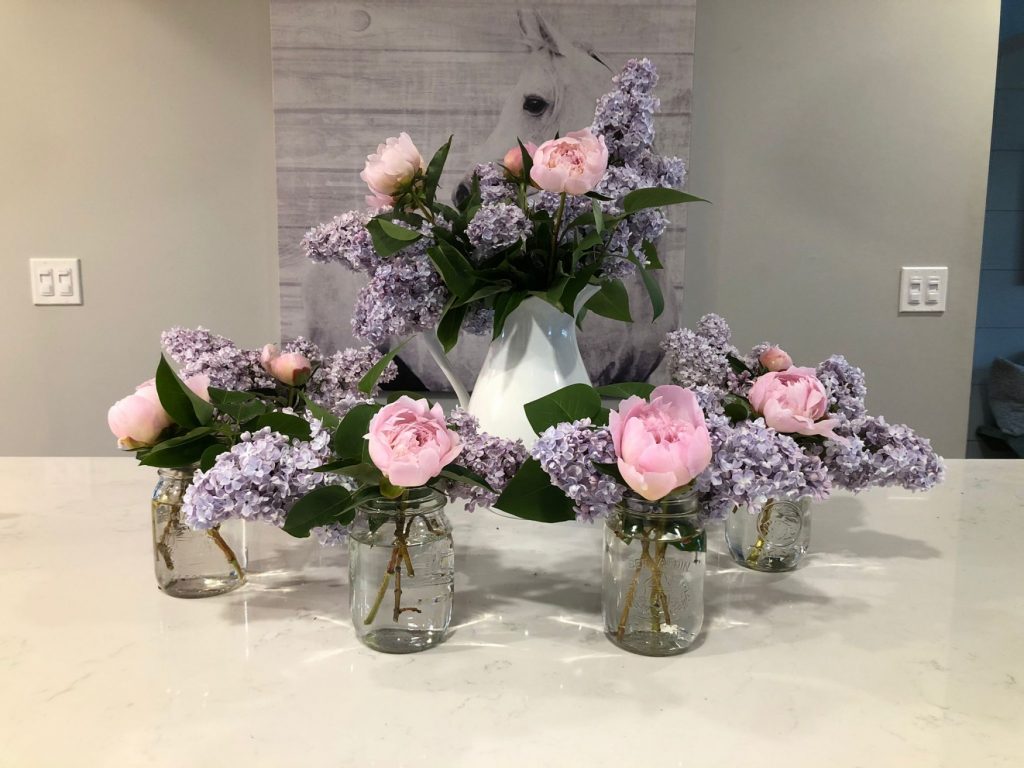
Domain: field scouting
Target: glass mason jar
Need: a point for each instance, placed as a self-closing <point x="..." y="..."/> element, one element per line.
<point x="653" y="574"/>
<point x="402" y="572"/>
<point x="773" y="540"/>
<point x="189" y="563"/>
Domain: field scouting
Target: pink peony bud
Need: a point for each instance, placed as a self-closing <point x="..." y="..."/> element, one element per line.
<point x="775" y="359"/>
<point x="410" y="442"/>
<point x="661" y="445"/>
<point x="289" y="368"/>
<point x="573" y="164"/>
<point x="390" y="169"/>
<point x="794" y="402"/>
<point x="138" y="420"/>
<point x="513" y="160"/>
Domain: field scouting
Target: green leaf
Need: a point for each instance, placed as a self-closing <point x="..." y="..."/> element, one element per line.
<point x="655" y="197"/>
<point x="531" y="496"/>
<point x="329" y="419"/>
<point x="527" y="159"/>
<point x="626" y="389"/>
<point x="181" y="451"/>
<point x="369" y="381"/>
<point x="737" y="408"/>
<point x="454" y="269"/>
<point x="611" y="301"/>
<point x="450" y="324"/>
<point x="651" y="253"/>
<point x="589" y="242"/>
<point x="350" y="436"/>
<point x="737" y="365"/>
<point x="612" y="471"/>
<point x="434" y="169"/>
<point x="485" y="292"/>
<point x="209" y="457"/>
<point x="598" y="214"/>
<point x="576" y="401"/>
<point x="504" y="306"/>
<point x="384" y="244"/>
<point x="363" y="473"/>
<point x="285" y="423"/>
<point x="183" y="406"/>
<point x="240" y="406"/>
<point x="654" y="291"/>
<point x="321" y="506"/>
<point x="462" y="475"/>
<point x="597" y="196"/>
<point x="396" y="232"/>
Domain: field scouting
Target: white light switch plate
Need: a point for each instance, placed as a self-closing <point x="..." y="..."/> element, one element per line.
<point x="923" y="289"/>
<point x="56" y="281"/>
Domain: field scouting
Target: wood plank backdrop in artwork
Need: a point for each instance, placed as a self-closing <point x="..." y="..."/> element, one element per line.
<point x="349" y="74"/>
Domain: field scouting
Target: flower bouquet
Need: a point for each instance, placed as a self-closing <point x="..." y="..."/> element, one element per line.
<point x="388" y="471"/>
<point x="801" y="422"/>
<point x="545" y="236"/>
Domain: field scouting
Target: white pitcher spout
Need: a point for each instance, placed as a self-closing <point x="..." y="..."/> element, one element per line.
<point x="437" y="352"/>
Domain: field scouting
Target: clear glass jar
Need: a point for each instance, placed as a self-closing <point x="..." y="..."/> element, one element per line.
<point x="402" y="572"/>
<point x="653" y="574"/>
<point x="191" y="563"/>
<point x="772" y="540"/>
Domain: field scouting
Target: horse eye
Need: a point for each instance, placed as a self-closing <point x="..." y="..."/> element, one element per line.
<point x="535" y="105"/>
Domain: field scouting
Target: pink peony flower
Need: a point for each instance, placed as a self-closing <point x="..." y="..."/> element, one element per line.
<point x="574" y="163"/>
<point x="513" y="160"/>
<point x="793" y="401"/>
<point x="289" y="368"/>
<point x="377" y="202"/>
<point x="775" y="359"/>
<point x="138" y="420"/>
<point x="392" y="166"/>
<point x="410" y="442"/>
<point x="661" y="445"/>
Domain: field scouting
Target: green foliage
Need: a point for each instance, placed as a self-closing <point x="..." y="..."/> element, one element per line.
<point x="571" y="403"/>
<point x="181" y="451"/>
<point x="737" y="408"/>
<point x="530" y="496"/>
<point x="656" y="197"/>
<point x="625" y="389"/>
<point x="349" y="438"/>
<point x="369" y="381"/>
<point x="434" y="170"/>
<point x="389" y="238"/>
<point x="321" y="506"/>
<point x="611" y="301"/>
<point x="285" y="423"/>
<point x="185" y="408"/>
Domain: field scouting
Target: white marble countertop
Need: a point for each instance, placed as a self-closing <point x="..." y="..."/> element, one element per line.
<point x="900" y="642"/>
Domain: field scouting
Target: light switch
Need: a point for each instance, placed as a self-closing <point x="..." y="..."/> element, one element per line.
<point x="56" y="281"/>
<point x="923" y="289"/>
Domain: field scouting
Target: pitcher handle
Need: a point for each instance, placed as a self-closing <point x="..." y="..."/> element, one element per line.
<point x="437" y="352"/>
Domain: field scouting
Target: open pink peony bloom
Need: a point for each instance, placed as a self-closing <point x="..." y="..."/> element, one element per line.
<point x="138" y="420"/>
<point x="793" y="401"/>
<point x="289" y="368"/>
<point x="574" y="163"/>
<point x="661" y="445"/>
<point x="392" y="166"/>
<point x="775" y="359"/>
<point x="513" y="160"/>
<point x="410" y="442"/>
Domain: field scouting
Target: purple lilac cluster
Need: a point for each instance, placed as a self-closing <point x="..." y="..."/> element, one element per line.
<point x="200" y="351"/>
<point x="752" y="463"/>
<point x="845" y="385"/>
<point x="625" y="117"/>
<point x="496" y="225"/>
<point x="343" y="239"/>
<point x="405" y="295"/>
<point x="568" y="453"/>
<point x="333" y="385"/>
<point x="700" y="357"/>
<point x="876" y="453"/>
<point x="495" y="186"/>
<point x="495" y="459"/>
<point x="259" y="479"/>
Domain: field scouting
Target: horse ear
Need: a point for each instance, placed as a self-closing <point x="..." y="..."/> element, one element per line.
<point x="539" y="33"/>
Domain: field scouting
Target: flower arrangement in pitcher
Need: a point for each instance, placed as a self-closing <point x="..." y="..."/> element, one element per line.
<point x="556" y="221"/>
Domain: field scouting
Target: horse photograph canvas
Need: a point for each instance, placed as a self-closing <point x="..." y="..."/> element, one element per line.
<point x="349" y="74"/>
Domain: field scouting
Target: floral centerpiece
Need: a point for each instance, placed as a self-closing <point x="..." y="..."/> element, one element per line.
<point x="556" y="226"/>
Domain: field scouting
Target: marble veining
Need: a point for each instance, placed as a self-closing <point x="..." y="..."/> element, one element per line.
<point x="899" y="643"/>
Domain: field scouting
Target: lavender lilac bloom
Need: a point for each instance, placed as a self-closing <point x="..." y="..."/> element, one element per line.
<point x="405" y="295"/>
<point x="700" y="357"/>
<point x="752" y="463"/>
<point x="877" y="453"/>
<point x="494" y="184"/>
<point x="495" y="226"/>
<point x="259" y="479"/>
<point x="343" y="239"/>
<point x="494" y="459"/>
<point x="200" y="351"/>
<point x="567" y="453"/>
<point x="845" y="385"/>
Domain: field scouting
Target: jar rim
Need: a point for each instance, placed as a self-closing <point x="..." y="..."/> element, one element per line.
<point x="178" y="472"/>
<point x="418" y="499"/>
<point x="679" y="503"/>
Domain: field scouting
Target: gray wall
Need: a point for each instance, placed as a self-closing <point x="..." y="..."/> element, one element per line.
<point x="839" y="141"/>
<point x="137" y="136"/>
